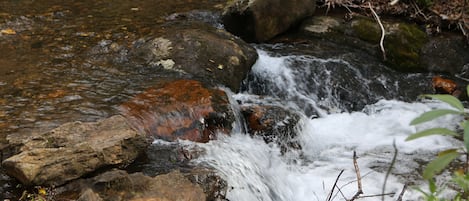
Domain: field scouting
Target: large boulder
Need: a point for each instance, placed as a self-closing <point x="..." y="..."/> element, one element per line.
<point x="261" y="20"/>
<point x="180" y="109"/>
<point x="198" y="51"/>
<point x="75" y="149"/>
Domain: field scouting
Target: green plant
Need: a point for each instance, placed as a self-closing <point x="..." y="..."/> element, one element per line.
<point x="444" y="158"/>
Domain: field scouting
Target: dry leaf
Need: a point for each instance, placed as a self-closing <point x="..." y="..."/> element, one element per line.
<point x="8" y="31"/>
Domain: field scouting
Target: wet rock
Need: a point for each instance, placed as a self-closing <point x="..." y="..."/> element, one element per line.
<point x="75" y="149"/>
<point x="273" y="123"/>
<point x="119" y="185"/>
<point x="180" y="109"/>
<point x="199" y="51"/>
<point x="214" y="187"/>
<point x="403" y="42"/>
<point x="445" y="53"/>
<point x="261" y="20"/>
<point x="408" y="48"/>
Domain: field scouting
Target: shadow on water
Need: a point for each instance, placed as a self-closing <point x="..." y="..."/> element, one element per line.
<point x="65" y="61"/>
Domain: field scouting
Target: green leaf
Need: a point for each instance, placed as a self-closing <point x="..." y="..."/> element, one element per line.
<point x="467" y="90"/>
<point x="466" y="134"/>
<point x="451" y="100"/>
<point x="439" y="164"/>
<point x="430" y="115"/>
<point x="431" y="131"/>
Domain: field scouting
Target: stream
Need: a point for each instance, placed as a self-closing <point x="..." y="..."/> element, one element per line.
<point x="60" y="66"/>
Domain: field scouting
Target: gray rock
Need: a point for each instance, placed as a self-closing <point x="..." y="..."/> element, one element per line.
<point x="75" y="149"/>
<point x="261" y="20"/>
<point x="198" y="51"/>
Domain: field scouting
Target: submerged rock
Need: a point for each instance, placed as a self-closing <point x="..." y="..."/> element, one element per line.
<point x="180" y="109"/>
<point x="119" y="185"/>
<point x="199" y="51"/>
<point x="273" y="123"/>
<point x="261" y="20"/>
<point x="75" y="149"/>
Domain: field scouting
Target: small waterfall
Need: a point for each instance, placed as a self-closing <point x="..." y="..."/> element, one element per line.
<point x="256" y="170"/>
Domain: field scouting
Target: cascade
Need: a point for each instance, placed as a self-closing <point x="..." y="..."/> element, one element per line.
<point x="256" y="170"/>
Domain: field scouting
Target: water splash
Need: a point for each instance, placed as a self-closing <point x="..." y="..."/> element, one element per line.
<point x="258" y="171"/>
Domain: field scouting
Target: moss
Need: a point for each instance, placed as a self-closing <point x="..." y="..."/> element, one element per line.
<point x="403" y="47"/>
<point x="367" y="30"/>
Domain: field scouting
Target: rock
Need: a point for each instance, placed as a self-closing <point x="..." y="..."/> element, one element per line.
<point x="273" y="123"/>
<point x="119" y="185"/>
<point x="214" y="186"/>
<point x="446" y="53"/>
<point x="403" y="42"/>
<point x="261" y="20"/>
<point x="442" y="85"/>
<point x="408" y="48"/>
<point x="75" y="149"/>
<point x="180" y="109"/>
<point x="198" y="51"/>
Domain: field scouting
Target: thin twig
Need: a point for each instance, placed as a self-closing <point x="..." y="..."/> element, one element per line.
<point x="329" y="197"/>
<point x="359" y="179"/>
<point x="402" y="193"/>
<point x="383" y="32"/>
<point x="389" y="169"/>
<point x="418" y="10"/>
<point x="369" y="196"/>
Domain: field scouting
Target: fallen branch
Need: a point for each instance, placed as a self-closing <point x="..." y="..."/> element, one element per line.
<point x="359" y="179"/>
<point x="383" y="32"/>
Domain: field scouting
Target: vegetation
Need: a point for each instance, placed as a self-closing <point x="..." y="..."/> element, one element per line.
<point x="435" y="15"/>
<point x="442" y="161"/>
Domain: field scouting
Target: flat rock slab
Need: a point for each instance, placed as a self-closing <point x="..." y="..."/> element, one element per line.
<point x="75" y="149"/>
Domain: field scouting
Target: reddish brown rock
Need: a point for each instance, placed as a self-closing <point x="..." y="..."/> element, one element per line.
<point x="181" y="109"/>
<point x="443" y="85"/>
<point x="273" y="123"/>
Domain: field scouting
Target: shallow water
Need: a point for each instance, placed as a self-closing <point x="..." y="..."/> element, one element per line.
<point x="65" y="61"/>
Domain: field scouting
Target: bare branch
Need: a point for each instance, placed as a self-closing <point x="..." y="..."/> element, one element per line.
<point x="383" y="32"/>
<point x="359" y="179"/>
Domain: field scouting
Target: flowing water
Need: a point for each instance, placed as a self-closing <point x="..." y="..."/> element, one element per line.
<point x="259" y="171"/>
<point x="68" y="62"/>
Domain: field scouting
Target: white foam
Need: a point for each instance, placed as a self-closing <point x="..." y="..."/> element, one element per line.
<point x="255" y="170"/>
<point x="258" y="171"/>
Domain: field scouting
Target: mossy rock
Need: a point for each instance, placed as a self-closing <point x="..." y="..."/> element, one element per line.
<point x="403" y="42"/>
<point x="367" y="30"/>
<point x="403" y="47"/>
